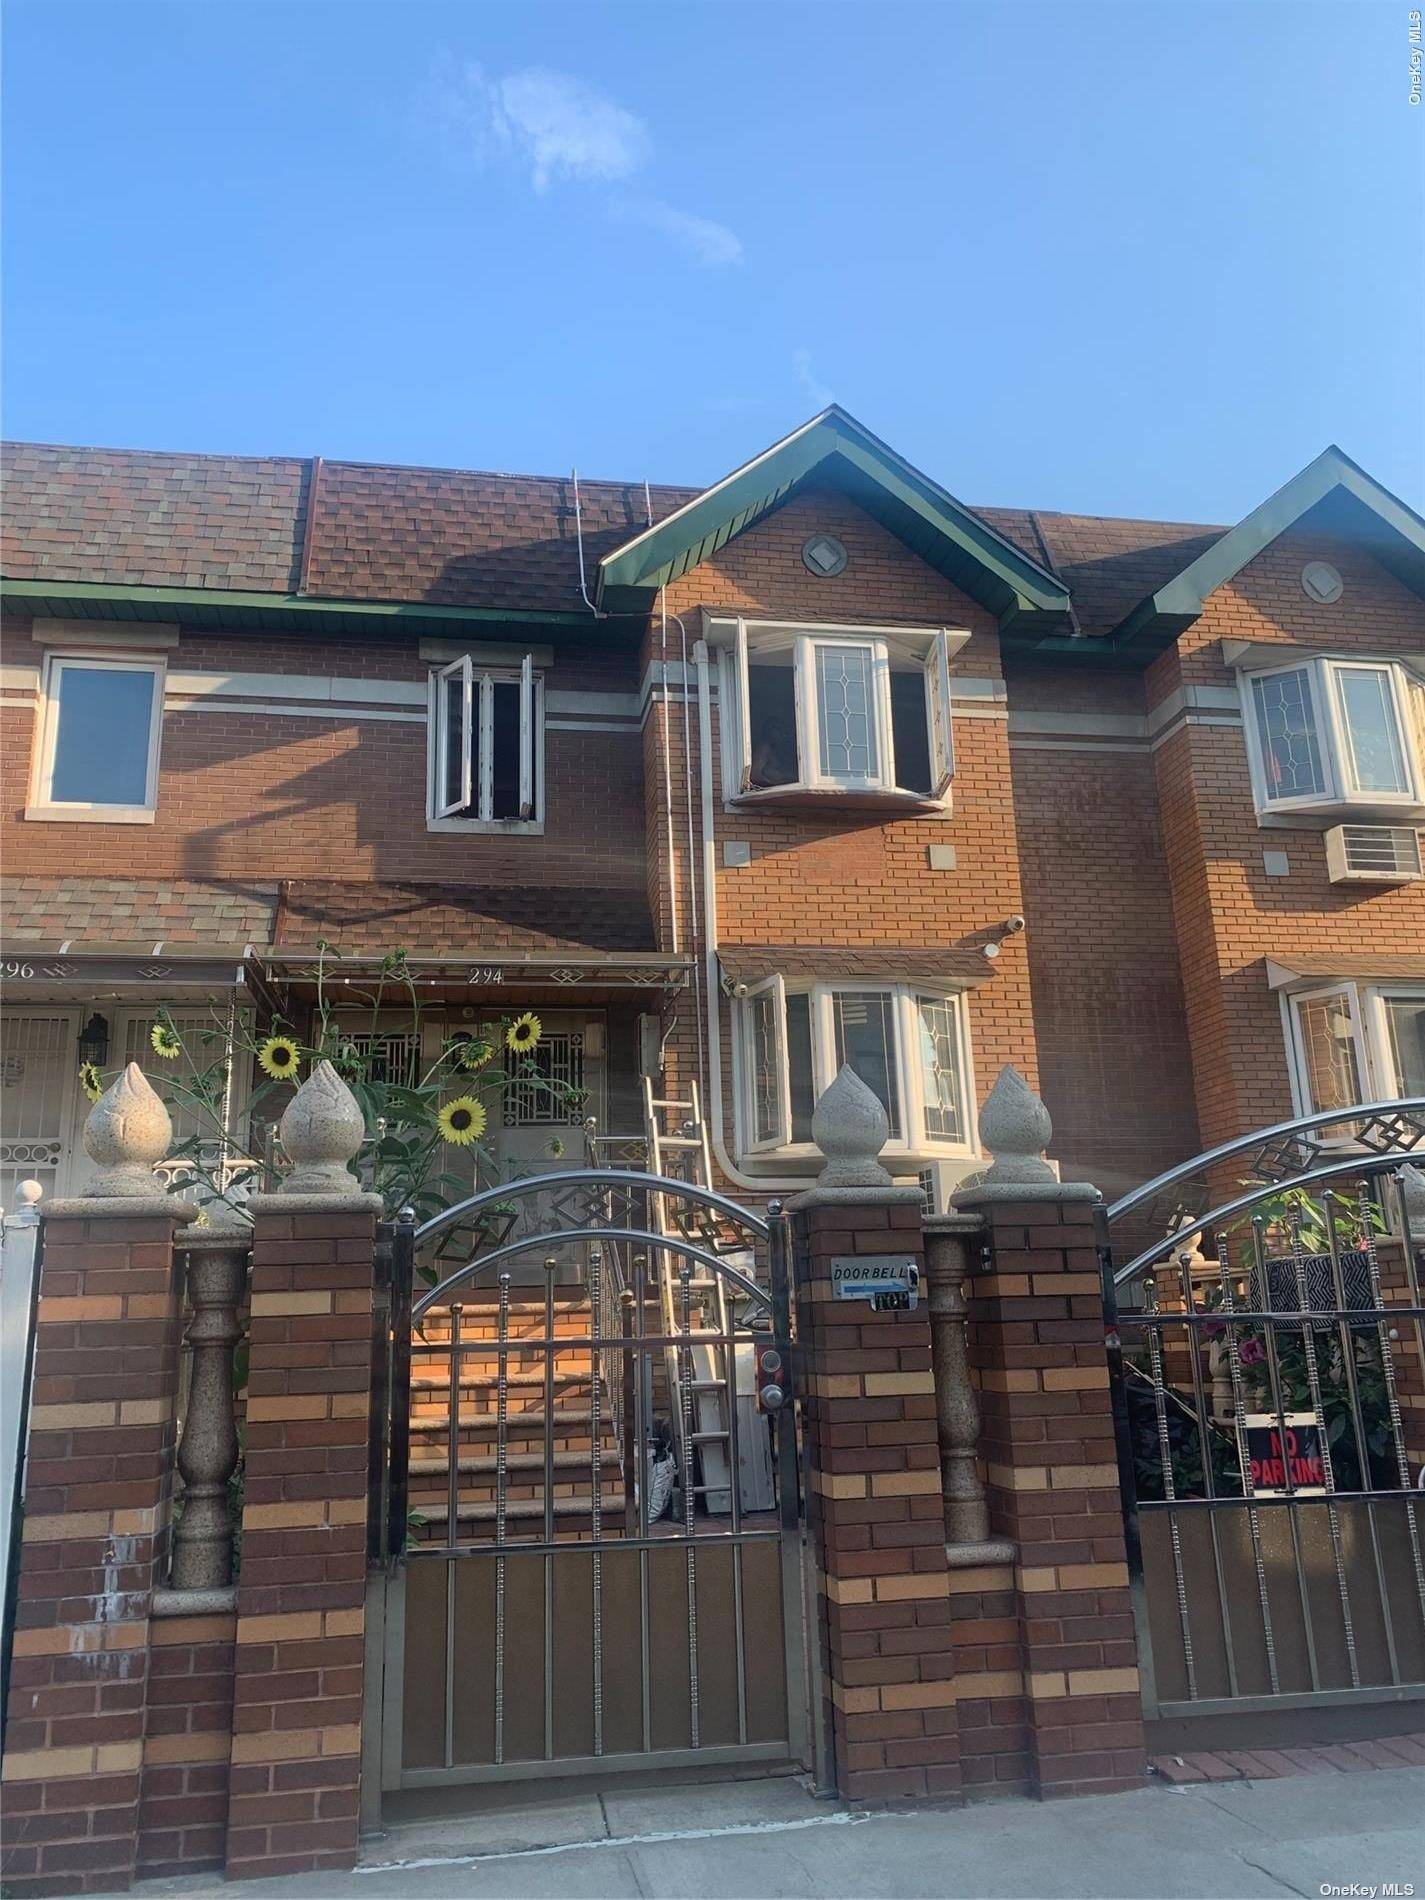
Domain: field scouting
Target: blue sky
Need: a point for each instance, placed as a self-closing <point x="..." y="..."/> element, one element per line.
<point x="1140" y="259"/>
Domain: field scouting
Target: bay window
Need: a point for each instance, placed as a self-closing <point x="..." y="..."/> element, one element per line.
<point x="1355" y="1042"/>
<point x="909" y="1046"/>
<point x="486" y="765"/>
<point x="1333" y="734"/>
<point x="849" y="713"/>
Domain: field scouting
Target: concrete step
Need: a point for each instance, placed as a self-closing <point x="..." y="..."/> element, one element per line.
<point x="486" y="1463"/>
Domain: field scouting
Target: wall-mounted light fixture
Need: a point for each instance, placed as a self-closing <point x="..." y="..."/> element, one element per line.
<point x="94" y="1041"/>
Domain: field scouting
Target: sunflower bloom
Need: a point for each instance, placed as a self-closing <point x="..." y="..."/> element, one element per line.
<point x="470" y="1055"/>
<point x="462" y="1121"/>
<point x="91" y="1081"/>
<point x="523" y="1033"/>
<point x="164" y="1041"/>
<point x="278" y="1057"/>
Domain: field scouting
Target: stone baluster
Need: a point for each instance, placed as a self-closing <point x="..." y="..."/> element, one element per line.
<point x="208" y="1450"/>
<point x="948" y="1239"/>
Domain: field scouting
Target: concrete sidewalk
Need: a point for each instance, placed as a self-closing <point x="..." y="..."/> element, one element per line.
<point x="770" y="1838"/>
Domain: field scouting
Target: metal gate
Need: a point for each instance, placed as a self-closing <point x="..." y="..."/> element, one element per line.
<point x="1266" y="1359"/>
<point x="588" y="1555"/>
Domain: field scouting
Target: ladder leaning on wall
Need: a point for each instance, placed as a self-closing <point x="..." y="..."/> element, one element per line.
<point x="678" y="1149"/>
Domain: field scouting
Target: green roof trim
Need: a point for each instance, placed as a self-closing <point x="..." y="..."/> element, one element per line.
<point x="835" y="448"/>
<point x="221" y="607"/>
<point x="1352" y="503"/>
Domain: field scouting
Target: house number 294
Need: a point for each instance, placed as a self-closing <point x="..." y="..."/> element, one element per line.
<point x="488" y="973"/>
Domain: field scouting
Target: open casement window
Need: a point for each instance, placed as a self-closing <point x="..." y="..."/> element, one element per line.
<point x="1332" y="735"/>
<point x="486" y="767"/>
<point x="1353" y="1043"/>
<point x="769" y="1112"/>
<point x="100" y="730"/>
<point x="909" y="1048"/>
<point x="841" y="712"/>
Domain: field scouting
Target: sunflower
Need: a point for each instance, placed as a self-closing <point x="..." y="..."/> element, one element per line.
<point x="278" y="1057"/>
<point x="91" y="1081"/>
<point x="164" y="1041"/>
<point x="523" y="1033"/>
<point x="468" y="1054"/>
<point x="462" y="1121"/>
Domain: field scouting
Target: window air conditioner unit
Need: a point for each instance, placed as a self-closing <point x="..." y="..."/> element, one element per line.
<point x="1373" y="854"/>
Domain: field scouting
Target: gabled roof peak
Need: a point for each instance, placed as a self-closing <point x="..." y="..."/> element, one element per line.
<point x="1345" y="497"/>
<point x="834" y="447"/>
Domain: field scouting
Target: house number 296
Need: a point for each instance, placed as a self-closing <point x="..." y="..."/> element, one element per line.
<point x="17" y="969"/>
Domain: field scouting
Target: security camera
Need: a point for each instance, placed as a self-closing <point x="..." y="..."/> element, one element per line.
<point x="1013" y="925"/>
<point x="742" y="989"/>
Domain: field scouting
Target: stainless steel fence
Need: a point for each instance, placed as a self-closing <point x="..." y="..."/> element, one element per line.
<point x="1266" y="1358"/>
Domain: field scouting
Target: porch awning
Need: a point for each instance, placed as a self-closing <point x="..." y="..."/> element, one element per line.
<point x="521" y="971"/>
<point x="85" y="965"/>
<point x="1374" y="967"/>
<point x="958" y="968"/>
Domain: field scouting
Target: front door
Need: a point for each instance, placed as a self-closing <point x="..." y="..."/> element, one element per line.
<point x="541" y="1132"/>
<point x="40" y="1100"/>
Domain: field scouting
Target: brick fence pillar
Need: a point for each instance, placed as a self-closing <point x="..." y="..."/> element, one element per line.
<point x="876" y="1510"/>
<point x="94" y="1541"/>
<point x="296" y="1756"/>
<point x="1037" y="1343"/>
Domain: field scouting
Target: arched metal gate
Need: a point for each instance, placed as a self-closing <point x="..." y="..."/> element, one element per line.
<point x="1267" y="1359"/>
<point x="588" y="1555"/>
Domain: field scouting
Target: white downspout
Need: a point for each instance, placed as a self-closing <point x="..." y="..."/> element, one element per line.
<point x="761" y="1183"/>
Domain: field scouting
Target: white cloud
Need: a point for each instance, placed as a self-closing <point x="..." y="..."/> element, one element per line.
<point x="806" y="376"/>
<point x="558" y="129"/>
<point x="564" y="128"/>
<point x="705" y="240"/>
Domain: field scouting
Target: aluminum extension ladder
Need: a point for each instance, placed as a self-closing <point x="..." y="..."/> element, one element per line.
<point x="678" y="1149"/>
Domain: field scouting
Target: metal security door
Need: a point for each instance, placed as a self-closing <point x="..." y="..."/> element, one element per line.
<point x="39" y="1097"/>
<point x="556" y="1595"/>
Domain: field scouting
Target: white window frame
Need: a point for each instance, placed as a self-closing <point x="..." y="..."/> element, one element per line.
<point x="1370" y="1038"/>
<point x="1323" y="674"/>
<point x="478" y="695"/>
<point x="42" y="803"/>
<point x="930" y="647"/>
<point x="913" y="1142"/>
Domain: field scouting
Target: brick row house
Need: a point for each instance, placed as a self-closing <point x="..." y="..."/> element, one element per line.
<point x="730" y="786"/>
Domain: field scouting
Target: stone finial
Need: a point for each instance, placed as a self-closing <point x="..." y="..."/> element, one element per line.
<point x="1015" y="1128"/>
<point x="322" y="1128"/>
<point x="849" y="1126"/>
<point x="126" y="1135"/>
<point x="1412" y="1186"/>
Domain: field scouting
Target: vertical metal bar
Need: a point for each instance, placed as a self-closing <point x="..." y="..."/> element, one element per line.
<point x="1387" y="1360"/>
<point x="1196" y="1339"/>
<point x="452" y="1532"/>
<point x="630" y="1416"/>
<point x="596" y="1479"/>
<point x="551" y="1266"/>
<point x="801" y="1701"/>
<point x="685" y="1382"/>
<point x="403" y="1251"/>
<point x="734" y="1461"/>
<point x="502" y="1472"/>
<point x="644" y="1465"/>
<point x="1274" y="1382"/>
<point x="1313" y="1380"/>
<point x="1347" y="1338"/>
<point x="1239" y="1418"/>
<point x="1153" y="1322"/>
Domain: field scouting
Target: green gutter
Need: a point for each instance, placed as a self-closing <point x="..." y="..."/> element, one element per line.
<point x="216" y="606"/>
